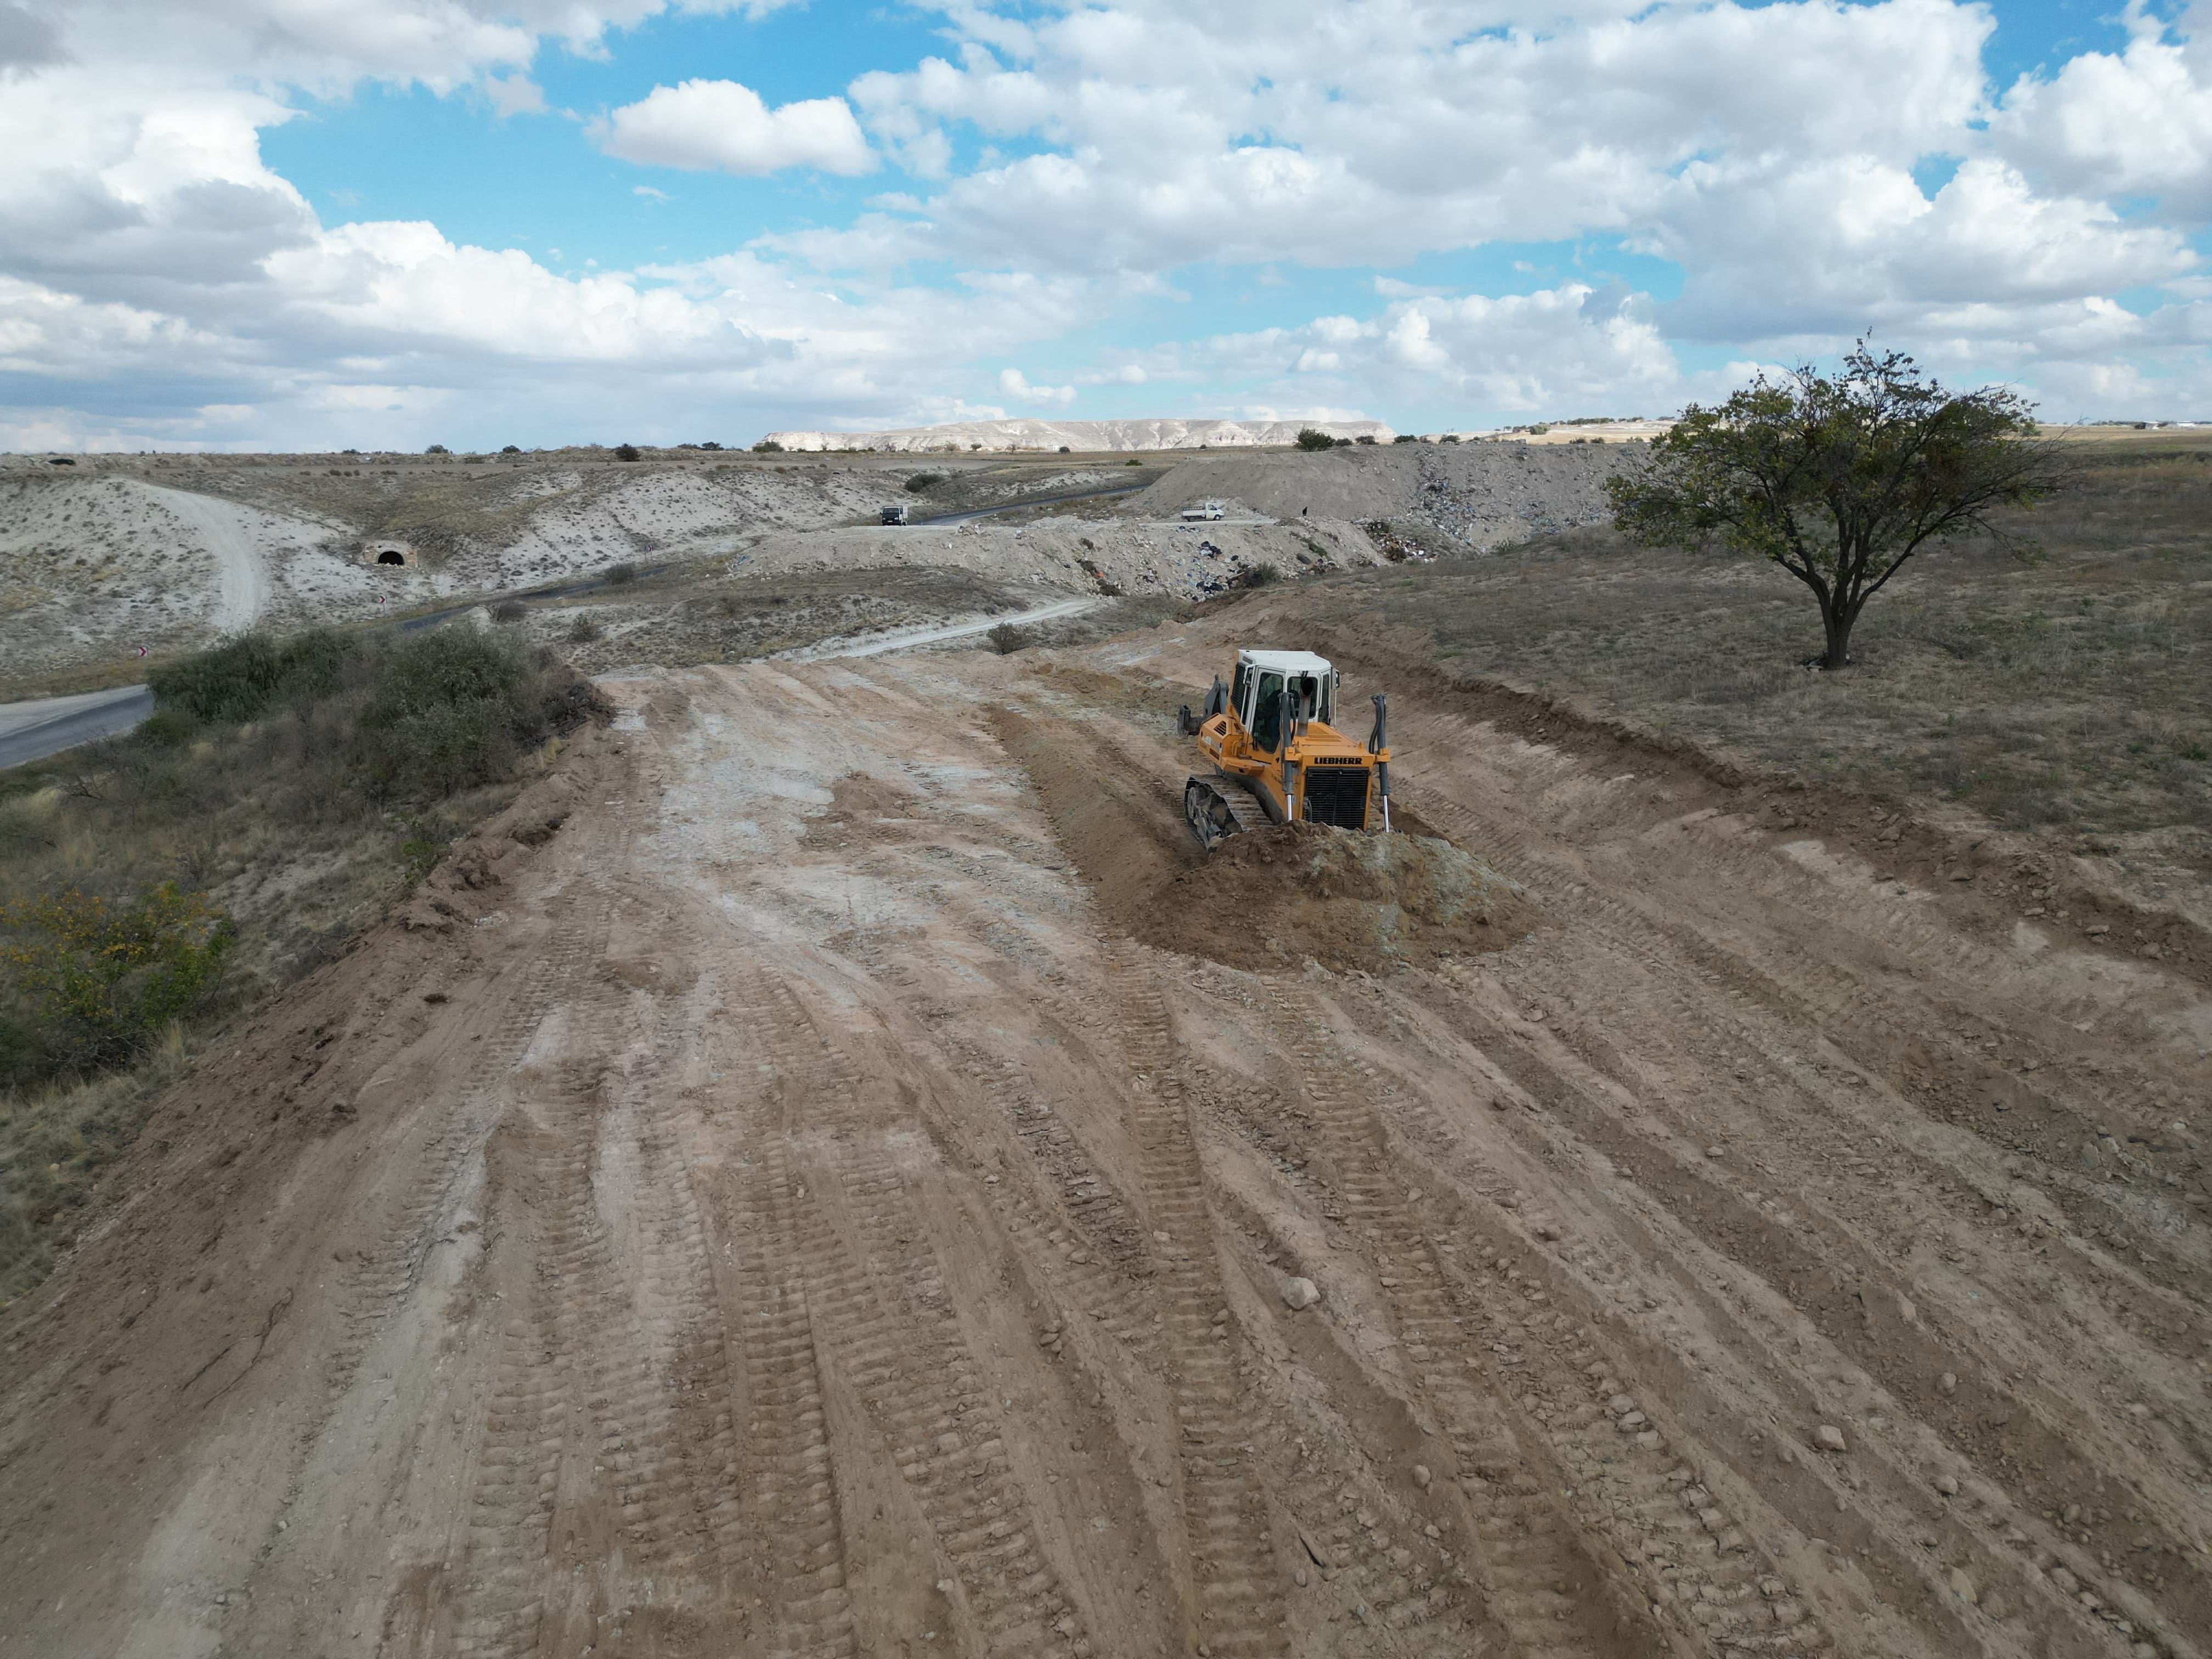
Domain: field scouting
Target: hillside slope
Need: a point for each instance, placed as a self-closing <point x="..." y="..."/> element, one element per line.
<point x="1484" y="495"/>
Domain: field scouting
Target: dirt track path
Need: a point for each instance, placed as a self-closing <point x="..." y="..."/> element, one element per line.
<point x="242" y="584"/>
<point x="779" y="1195"/>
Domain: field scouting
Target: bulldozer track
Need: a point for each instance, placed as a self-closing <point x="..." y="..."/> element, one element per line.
<point x="908" y="1362"/>
<point x="552" y="1381"/>
<point x="1731" y="1004"/>
<point x="796" y="1528"/>
<point x="1540" y="1581"/>
<point x="1237" y="1587"/>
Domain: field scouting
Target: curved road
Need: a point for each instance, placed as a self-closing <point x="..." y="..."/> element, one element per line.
<point x="244" y="590"/>
<point x="32" y="731"/>
<point x="906" y="639"/>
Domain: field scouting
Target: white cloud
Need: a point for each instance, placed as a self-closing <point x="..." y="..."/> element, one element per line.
<point x="1556" y="351"/>
<point x="1068" y="162"/>
<point x="718" y="124"/>
<point x="1011" y="383"/>
<point x="514" y="94"/>
<point x="648" y="191"/>
<point x="2137" y="122"/>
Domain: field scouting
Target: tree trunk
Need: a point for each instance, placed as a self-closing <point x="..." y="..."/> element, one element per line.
<point x="1836" y="620"/>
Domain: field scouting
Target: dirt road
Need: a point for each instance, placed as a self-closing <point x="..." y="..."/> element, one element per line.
<point x="821" y="1174"/>
<point x="906" y="639"/>
<point x="242" y="585"/>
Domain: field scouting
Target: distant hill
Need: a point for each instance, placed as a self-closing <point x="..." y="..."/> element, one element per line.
<point x="1082" y="435"/>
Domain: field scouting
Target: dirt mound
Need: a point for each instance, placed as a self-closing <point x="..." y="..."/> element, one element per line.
<point x="1264" y="899"/>
<point x="1295" y="890"/>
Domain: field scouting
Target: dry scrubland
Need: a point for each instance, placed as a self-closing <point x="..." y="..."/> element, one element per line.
<point x="826" y="1167"/>
<point x="292" y="793"/>
<point x="2071" y="699"/>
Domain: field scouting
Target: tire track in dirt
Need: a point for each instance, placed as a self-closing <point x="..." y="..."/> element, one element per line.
<point x="1236" y="1584"/>
<point x="1877" y="1516"/>
<point x="797" y="1536"/>
<point x="539" y="1198"/>
<point x="662" y="1390"/>
<point x="907" y="1359"/>
<point x="1904" y="1361"/>
<point x="595" y="1425"/>
<point x="1543" y="1584"/>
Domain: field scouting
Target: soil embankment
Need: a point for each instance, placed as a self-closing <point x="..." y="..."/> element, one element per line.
<point x="822" y="1173"/>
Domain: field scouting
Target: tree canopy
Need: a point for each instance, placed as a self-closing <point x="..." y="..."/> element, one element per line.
<point x="1840" y="478"/>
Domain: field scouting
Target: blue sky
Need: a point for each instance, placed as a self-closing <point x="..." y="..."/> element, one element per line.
<point x="314" y="221"/>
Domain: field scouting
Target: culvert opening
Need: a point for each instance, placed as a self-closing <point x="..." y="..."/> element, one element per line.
<point x="389" y="557"/>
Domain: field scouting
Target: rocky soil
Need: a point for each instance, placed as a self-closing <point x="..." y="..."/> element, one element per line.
<point x="829" y="1170"/>
<point x="1478" y="495"/>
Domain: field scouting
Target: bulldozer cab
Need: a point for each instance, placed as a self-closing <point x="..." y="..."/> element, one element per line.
<point x="1273" y="691"/>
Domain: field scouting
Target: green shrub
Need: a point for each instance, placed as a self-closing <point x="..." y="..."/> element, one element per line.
<point x="584" y="630"/>
<point x="510" y="449"/>
<point x="452" y="709"/>
<point x="437" y="449"/>
<point x="768" y="447"/>
<point x="166" y="728"/>
<point x="509" y="612"/>
<point x="1312" y="437"/>
<point x="1258" y="575"/>
<point x="626" y="452"/>
<point x="921" y="481"/>
<point x="240" y="679"/>
<point x="1005" y="639"/>
<point x="1132" y="461"/>
<point x="91" y="985"/>
<point x="621" y="574"/>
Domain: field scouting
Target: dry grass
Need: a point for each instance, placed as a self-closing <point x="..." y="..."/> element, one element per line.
<point x="2075" y="694"/>
<point x="701" y="614"/>
<point x="54" y="1143"/>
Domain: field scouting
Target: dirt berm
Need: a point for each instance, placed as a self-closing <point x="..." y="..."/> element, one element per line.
<point x="822" y="1176"/>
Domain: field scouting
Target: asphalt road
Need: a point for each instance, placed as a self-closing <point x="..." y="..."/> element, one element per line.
<point x="31" y="731"/>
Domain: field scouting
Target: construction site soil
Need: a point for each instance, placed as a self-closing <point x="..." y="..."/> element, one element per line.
<point x="828" y="1171"/>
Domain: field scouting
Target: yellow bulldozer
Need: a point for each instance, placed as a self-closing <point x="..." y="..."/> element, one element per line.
<point x="1278" y="756"/>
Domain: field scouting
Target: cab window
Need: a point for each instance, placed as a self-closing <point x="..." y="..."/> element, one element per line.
<point x="1237" y="695"/>
<point x="1267" y="716"/>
